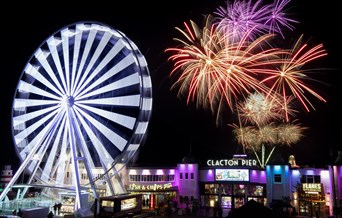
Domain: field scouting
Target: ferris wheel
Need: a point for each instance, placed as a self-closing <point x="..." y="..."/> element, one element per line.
<point x="83" y="103"/>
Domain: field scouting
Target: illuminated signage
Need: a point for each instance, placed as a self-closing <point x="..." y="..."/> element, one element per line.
<point x="150" y="187"/>
<point x="232" y="163"/>
<point x="231" y="175"/>
<point x="312" y="187"/>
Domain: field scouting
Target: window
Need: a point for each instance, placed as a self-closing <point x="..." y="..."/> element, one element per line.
<point x="186" y="176"/>
<point x="277" y="178"/>
<point x="211" y="188"/>
<point x="227" y="189"/>
<point x="239" y="189"/>
<point x="180" y="175"/>
<point x="310" y="179"/>
<point x="255" y="190"/>
<point x="192" y="176"/>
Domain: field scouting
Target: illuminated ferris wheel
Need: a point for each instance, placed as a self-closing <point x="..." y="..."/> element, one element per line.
<point x="83" y="103"/>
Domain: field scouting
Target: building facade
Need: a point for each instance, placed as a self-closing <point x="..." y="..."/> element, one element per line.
<point x="229" y="183"/>
<point x="6" y="176"/>
<point x="226" y="184"/>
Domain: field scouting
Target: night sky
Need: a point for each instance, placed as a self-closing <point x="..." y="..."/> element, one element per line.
<point x="175" y="127"/>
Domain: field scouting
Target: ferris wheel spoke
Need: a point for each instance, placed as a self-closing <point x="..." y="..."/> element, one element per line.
<point x="41" y="57"/>
<point x="77" y="47"/>
<point x="123" y="83"/>
<point x="38" y="156"/>
<point x="29" y="88"/>
<point x="66" y="33"/>
<point x="19" y="120"/>
<point x="27" y="145"/>
<point x="19" y="104"/>
<point x="112" y="136"/>
<point x="64" y="157"/>
<point x="123" y="64"/>
<point x="82" y="143"/>
<point x="85" y="55"/>
<point x="102" y="152"/>
<point x="53" y="42"/>
<point x="32" y="71"/>
<point x="95" y="57"/>
<point x="128" y="101"/>
<point x="123" y="120"/>
<point x="52" y="154"/>
<point x="118" y="46"/>
<point x="26" y="132"/>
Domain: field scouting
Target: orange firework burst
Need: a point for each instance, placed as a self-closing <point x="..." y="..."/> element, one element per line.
<point x="290" y="74"/>
<point x="197" y="60"/>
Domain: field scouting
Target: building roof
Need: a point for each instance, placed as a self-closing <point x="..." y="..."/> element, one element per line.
<point x="338" y="160"/>
<point x="189" y="159"/>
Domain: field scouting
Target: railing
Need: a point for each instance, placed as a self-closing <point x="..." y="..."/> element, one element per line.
<point x="7" y="207"/>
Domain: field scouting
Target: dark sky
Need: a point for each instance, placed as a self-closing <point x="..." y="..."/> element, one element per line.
<point x="174" y="127"/>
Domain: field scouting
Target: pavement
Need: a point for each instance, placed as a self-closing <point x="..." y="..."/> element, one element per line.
<point x="172" y="216"/>
<point x="177" y="216"/>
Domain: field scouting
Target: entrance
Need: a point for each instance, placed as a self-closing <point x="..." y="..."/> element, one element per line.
<point x="312" y="209"/>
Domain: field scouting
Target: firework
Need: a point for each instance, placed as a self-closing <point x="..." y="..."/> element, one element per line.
<point x="278" y="18"/>
<point x="290" y="133"/>
<point x="290" y="74"/>
<point x="258" y="110"/>
<point x="240" y="17"/>
<point x="261" y="125"/>
<point x="253" y="137"/>
<point x="197" y="61"/>
<point x="214" y="69"/>
<point x="233" y="56"/>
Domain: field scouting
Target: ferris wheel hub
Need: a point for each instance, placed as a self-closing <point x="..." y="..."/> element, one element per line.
<point x="68" y="100"/>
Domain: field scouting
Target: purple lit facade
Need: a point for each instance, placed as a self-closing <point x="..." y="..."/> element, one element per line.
<point x="231" y="183"/>
<point x="308" y="190"/>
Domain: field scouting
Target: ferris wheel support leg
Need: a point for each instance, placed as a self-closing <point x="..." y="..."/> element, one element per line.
<point x="78" y="202"/>
<point x="109" y="183"/>
<point x="27" y="160"/>
<point x="118" y="184"/>
<point x="33" y="173"/>
<point x="18" y="173"/>
<point x="82" y="147"/>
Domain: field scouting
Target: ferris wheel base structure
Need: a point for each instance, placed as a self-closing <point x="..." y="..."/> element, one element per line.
<point x="80" y="112"/>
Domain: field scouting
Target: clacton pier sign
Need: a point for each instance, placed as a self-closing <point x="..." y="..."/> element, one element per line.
<point x="232" y="162"/>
